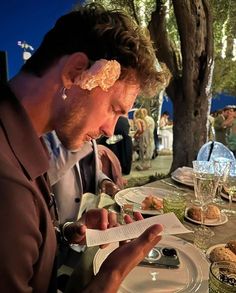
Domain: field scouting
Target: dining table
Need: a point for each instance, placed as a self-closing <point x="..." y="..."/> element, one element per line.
<point x="222" y="233"/>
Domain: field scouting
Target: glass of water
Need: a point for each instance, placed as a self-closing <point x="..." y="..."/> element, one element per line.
<point x="221" y="169"/>
<point x="230" y="188"/>
<point x="205" y="184"/>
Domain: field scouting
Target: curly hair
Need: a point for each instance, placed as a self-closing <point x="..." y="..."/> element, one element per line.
<point x="99" y="33"/>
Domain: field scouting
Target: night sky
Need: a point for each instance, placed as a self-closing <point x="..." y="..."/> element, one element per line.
<point x="25" y="20"/>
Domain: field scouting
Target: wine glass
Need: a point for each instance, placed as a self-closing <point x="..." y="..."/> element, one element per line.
<point x="205" y="184"/>
<point x="230" y="188"/>
<point x="221" y="169"/>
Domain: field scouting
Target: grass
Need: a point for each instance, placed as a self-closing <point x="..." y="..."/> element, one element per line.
<point x="139" y="181"/>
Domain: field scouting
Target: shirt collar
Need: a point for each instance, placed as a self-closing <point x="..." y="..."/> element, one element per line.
<point x="21" y="135"/>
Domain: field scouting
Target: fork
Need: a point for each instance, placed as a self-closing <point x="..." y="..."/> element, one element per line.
<point x="173" y="185"/>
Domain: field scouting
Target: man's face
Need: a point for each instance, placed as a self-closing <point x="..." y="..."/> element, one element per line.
<point x="228" y="112"/>
<point x="88" y="114"/>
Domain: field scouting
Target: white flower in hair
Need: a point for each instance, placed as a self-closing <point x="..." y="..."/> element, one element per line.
<point x="103" y="73"/>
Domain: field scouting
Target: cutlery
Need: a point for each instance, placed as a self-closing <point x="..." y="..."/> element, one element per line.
<point x="172" y="185"/>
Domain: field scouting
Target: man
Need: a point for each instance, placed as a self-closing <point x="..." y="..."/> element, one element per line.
<point x="73" y="173"/>
<point x="66" y="86"/>
<point x="222" y="124"/>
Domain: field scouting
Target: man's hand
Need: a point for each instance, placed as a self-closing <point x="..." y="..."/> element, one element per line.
<point x="122" y="260"/>
<point x="109" y="187"/>
<point x="99" y="219"/>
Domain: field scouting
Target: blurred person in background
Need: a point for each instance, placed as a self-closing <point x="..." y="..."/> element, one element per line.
<point x="231" y="139"/>
<point x="223" y="123"/>
<point x="123" y="147"/>
<point x="166" y="131"/>
<point x="150" y="136"/>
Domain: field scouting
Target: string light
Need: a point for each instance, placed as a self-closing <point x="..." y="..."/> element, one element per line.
<point x="26" y="48"/>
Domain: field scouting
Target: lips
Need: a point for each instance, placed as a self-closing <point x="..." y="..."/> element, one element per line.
<point x="91" y="137"/>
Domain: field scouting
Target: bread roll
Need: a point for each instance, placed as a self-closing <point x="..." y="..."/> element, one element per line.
<point x="212" y="212"/>
<point x="222" y="253"/>
<point x="194" y="213"/>
<point x="231" y="245"/>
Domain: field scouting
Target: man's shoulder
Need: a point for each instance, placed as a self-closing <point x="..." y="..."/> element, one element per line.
<point x="219" y="118"/>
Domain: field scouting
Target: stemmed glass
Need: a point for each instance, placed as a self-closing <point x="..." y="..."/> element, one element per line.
<point x="221" y="169"/>
<point x="205" y="185"/>
<point x="230" y="188"/>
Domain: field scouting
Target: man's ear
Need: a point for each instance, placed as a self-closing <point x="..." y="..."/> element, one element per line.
<point x="73" y="67"/>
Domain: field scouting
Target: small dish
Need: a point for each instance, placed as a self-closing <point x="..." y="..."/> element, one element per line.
<point x="226" y="196"/>
<point x="209" y="222"/>
<point x="187" y="183"/>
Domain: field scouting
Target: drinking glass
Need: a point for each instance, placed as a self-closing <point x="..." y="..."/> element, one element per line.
<point x="221" y="169"/>
<point x="203" y="237"/>
<point x="222" y="277"/>
<point x="205" y="184"/>
<point x="230" y="188"/>
<point x="176" y="204"/>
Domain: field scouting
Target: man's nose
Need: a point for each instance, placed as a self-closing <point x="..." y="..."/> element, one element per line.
<point x="108" y="128"/>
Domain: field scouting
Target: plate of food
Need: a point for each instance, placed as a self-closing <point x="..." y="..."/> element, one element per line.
<point x="222" y="252"/>
<point x="225" y="195"/>
<point x="146" y="200"/>
<point x="183" y="175"/>
<point x="191" y="275"/>
<point x="212" y="216"/>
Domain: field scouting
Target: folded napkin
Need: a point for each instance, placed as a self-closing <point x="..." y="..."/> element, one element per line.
<point x="92" y="201"/>
<point x="184" y="174"/>
<point x="135" y="196"/>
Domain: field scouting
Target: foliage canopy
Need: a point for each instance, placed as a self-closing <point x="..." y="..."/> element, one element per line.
<point x="224" y="28"/>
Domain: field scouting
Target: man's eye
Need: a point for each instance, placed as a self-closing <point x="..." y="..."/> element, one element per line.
<point x="115" y="111"/>
<point x="118" y="111"/>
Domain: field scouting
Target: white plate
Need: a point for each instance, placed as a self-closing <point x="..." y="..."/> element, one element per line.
<point x="226" y="196"/>
<point x="209" y="222"/>
<point x="136" y="195"/>
<point x="191" y="276"/>
<point x="181" y="181"/>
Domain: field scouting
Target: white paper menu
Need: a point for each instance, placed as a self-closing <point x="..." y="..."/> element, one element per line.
<point x="171" y="225"/>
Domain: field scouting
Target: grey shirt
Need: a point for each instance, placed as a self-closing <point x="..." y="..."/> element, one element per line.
<point x="71" y="174"/>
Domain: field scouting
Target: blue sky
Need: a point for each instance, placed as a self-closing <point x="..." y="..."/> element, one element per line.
<point x="25" y="20"/>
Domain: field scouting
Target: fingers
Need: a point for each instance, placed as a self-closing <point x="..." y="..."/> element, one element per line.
<point x="151" y="236"/>
<point x="75" y="232"/>
<point x="145" y="242"/>
<point x="97" y="219"/>
<point x="132" y="253"/>
<point x="112" y="219"/>
<point x="104" y="219"/>
<point x="137" y="216"/>
<point x="127" y="219"/>
<point x="109" y="187"/>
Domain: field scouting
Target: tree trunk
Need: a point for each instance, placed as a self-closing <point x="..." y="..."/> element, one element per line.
<point x="189" y="89"/>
